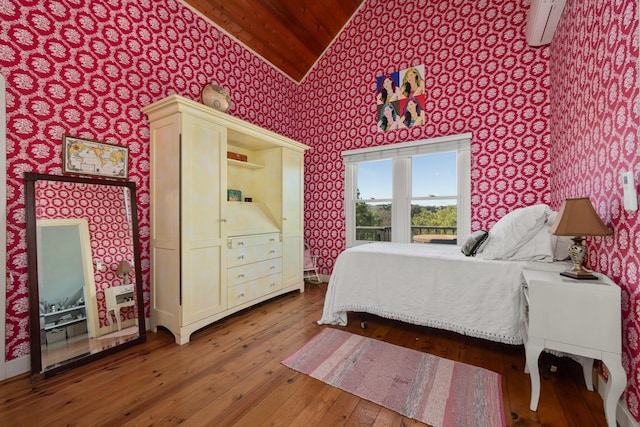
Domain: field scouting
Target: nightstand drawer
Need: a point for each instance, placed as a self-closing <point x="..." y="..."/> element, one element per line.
<point x="578" y="314"/>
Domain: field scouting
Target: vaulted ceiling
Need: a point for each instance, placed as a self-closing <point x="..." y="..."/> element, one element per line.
<point x="290" y="34"/>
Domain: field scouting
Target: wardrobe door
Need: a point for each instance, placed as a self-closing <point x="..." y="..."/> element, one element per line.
<point x="292" y="223"/>
<point x="203" y="201"/>
<point x="165" y="223"/>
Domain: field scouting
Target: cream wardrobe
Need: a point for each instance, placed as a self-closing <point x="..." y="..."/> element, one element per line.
<point x="211" y="257"/>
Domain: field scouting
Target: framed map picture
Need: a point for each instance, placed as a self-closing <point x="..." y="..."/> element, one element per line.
<point x="86" y="157"/>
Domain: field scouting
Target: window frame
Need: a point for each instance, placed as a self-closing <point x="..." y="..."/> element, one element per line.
<point x="401" y="155"/>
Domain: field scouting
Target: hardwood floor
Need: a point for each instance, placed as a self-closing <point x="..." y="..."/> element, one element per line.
<point x="230" y="375"/>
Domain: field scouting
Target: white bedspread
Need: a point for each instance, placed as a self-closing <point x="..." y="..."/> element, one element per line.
<point x="430" y="285"/>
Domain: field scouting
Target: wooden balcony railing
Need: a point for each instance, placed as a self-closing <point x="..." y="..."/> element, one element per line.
<point x="383" y="234"/>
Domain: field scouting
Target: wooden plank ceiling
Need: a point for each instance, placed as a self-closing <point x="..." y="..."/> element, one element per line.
<point x="290" y="34"/>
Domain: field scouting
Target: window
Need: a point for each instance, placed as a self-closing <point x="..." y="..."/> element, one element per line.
<point x="409" y="192"/>
<point x="374" y="201"/>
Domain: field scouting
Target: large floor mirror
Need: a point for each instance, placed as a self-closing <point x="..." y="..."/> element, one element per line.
<point x="85" y="283"/>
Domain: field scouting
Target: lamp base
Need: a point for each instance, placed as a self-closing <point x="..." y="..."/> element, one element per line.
<point x="579" y="275"/>
<point x="578" y="253"/>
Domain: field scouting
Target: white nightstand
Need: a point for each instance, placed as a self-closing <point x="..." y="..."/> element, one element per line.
<point x="118" y="297"/>
<point x="580" y="317"/>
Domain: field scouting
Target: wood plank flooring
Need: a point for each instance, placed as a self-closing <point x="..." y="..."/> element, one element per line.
<point x="230" y="375"/>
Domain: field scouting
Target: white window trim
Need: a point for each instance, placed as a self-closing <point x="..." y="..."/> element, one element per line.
<point x="401" y="208"/>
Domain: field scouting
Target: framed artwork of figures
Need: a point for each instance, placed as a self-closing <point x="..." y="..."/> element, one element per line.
<point x="400" y="99"/>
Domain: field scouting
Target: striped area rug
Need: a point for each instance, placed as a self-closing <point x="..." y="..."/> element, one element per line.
<point x="427" y="388"/>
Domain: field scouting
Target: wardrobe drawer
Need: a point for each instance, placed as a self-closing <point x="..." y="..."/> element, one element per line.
<point x="248" y="255"/>
<point x="249" y="291"/>
<point x="248" y="272"/>
<point x="253" y="240"/>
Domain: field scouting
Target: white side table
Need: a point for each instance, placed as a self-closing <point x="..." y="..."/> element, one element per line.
<point x="116" y="298"/>
<point x="580" y="317"/>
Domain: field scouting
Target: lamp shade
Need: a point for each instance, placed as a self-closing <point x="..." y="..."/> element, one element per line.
<point x="123" y="267"/>
<point x="577" y="217"/>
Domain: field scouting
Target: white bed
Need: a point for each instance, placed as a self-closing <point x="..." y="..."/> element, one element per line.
<point x="438" y="286"/>
<point x="430" y="285"/>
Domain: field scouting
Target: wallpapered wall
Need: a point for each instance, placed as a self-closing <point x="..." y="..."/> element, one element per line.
<point x="594" y="126"/>
<point x="109" y="229"/>
<point x="480" y="77"/>
<point x="85" y="68"/>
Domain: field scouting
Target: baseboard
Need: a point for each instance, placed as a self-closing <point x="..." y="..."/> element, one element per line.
<point x="623" y="416"/>
<point x="17" y="367"/>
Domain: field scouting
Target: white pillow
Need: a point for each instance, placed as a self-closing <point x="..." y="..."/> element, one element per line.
<point x="539" y="248"/>
<point x="514" y="230"/>
<point x="560" y="244"/>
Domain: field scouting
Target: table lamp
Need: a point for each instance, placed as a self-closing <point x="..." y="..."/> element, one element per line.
<point x="578" y="218"/>
<point x="123" y="270"/>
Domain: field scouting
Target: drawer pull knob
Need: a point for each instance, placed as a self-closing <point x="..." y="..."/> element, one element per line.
<point x="241" y="257"/>
<point x="272" y="285"/>
<point x="272" y="240"/>
<point x="272" y="251"/>
<point x="240" y="276"/>
<point x="240" y="243"/>
<point x="273" y="267"/>
<point x="241" y="295"/>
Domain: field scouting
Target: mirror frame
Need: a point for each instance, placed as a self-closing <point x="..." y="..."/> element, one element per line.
<point x="30" y="180"/>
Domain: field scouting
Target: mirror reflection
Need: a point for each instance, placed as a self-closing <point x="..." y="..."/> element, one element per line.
<point x="84" y="275"/>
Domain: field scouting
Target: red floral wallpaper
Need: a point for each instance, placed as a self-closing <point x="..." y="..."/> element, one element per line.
<point x="85" y="68"/>
<point x="480" y="77"/>
<point x="594" y="126"/>
<point x="109" y="228"/>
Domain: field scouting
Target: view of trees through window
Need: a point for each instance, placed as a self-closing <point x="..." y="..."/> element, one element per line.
<point x="373" y="220"/>
<point x="438" y="216"/>
<point x="433" y="203"/>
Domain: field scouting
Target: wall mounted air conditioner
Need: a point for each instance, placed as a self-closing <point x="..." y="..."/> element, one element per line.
<point x="542" y="21"/>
